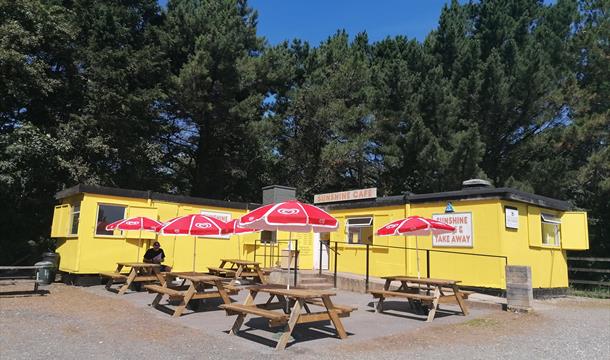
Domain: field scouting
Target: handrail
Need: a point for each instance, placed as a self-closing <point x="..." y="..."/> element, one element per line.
<point x="334" y="248"/>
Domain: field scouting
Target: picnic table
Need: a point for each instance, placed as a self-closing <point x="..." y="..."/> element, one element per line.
<point x="201" y="287"/>
<point x="140" y="272"/>
<point x="238" y="269"/>
<point x="298" y="300"/>
<point x="432" y="292"/>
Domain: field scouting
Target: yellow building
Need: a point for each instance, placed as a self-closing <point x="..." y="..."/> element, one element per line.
<point x="496" y="227"/>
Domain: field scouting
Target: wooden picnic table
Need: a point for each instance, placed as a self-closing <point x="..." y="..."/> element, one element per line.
<point x="299" y="300"/>
<point x="238" y="269"/>
<point x="431" y="294"/>
<point x="201" y="287"/>
<point x="139" y="272"/>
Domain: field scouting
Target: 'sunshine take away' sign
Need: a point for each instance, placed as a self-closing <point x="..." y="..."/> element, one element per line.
<point x="462" y="237"/>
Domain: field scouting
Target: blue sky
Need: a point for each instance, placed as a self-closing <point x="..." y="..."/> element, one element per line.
<point x="316" y="20"/>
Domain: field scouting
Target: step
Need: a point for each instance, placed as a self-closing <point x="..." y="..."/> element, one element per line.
<point x="310" y="280"/>
<point x="317" y="286"/>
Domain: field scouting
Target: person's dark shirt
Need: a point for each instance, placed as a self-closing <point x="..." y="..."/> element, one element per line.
<point x="152" y="253"/>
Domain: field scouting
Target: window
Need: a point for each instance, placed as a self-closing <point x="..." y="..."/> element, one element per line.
<point x="268" y="237"/>
<point x="359" y="230"/>
<point x="551" y="226"/>
<point x="74" y="218"/>
<point x="107" y="214"/>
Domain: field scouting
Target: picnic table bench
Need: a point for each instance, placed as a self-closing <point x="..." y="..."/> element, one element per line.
<point x="33" y="277"/>
<point x="299" y="300"/>
<point x="434" y="291"/>
<point x="140" y="272"/>
<point x="239" y="269"/>
<point x="199" y="288"/>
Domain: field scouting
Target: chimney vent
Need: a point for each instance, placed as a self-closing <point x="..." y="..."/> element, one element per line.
<point x="476" y="183"/>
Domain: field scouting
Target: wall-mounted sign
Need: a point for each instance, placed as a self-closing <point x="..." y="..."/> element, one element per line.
<point x="345" y="196"/>
<point x="223" y="216"/>
<point x="462" y="237"/>
<point x="511" y="217"/>
<point x="449" y="207"/>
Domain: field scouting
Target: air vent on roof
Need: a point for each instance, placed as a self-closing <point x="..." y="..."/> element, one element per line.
<point x="476" y="183"/>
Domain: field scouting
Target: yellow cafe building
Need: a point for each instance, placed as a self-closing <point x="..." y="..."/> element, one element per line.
<point x="496" y="227"/>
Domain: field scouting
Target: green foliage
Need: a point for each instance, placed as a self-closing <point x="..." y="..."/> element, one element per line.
<point x="190" y="100"/>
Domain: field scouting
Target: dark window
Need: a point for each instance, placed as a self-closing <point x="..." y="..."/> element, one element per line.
<point x="107" y="214"/>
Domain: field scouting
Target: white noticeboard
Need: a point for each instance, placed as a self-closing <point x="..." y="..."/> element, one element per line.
<point x="511" y="217"/>
<point x="462" y="237"/>
<point x="223" y="216"/>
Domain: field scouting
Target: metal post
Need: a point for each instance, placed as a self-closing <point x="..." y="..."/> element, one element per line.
<point x="428" y="263"/>
<point x="366" y="285"/>
<point x="335" y="280"/>
<point x="296" y="255"/>
<point x="320" y="263"/>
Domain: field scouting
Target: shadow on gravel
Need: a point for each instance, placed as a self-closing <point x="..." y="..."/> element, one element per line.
<point x="302" y="333"/>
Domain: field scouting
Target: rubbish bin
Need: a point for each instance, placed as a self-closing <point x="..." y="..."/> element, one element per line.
<point x="46" y="274"/>
<point x="52" y="257"/>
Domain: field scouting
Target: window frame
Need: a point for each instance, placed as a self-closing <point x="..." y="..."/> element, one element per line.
<point x="349" y="236"/>
<point x="97" y="213"/>
<point x="554" y="221"/>
<point x="72" y="213"/>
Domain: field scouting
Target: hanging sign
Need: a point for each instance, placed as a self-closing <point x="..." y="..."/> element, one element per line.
<point x="222" y="216"/>
<point x="462" y="237"/>
<point x="345" y="196"/>
<point x="511" y="217"/>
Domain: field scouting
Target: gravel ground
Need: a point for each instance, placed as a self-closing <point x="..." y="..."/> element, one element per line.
<point x="74" y="323"/>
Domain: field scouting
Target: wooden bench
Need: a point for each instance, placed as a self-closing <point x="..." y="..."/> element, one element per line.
<point x="343" y="310"/>
<point x="275" y="318"/>
<point x="33" y="278"/>
<point x="378" y="294"/>
<point x="174" y="293"/>
<point x="222" y="271"/>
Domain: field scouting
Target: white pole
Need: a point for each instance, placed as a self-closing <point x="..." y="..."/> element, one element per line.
<point x="139" y="244"/>
<point x="417" y="251"/>
<point x="194" y="251"/>
<point x="289" y="258"/>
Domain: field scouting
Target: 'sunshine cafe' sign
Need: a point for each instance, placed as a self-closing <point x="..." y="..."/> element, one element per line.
<point x="345" y="196"/>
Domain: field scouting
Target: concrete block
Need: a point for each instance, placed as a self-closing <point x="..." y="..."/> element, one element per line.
<point x="519" y="292"/>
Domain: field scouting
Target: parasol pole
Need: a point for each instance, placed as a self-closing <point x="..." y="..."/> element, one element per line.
<point x="417" y="257"/>
<point x="289" y="258"/>
<point x="194" y="251"/>
<point x="139" y="243"/>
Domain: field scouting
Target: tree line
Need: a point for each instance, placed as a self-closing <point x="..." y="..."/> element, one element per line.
<point x="189" y="99"/>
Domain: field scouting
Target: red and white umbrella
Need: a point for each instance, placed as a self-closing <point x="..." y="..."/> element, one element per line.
<point x="291" y="216"/>
<point x="415" y="225"/>
<point x="232" y="227"/>
<point x="193" y="225"/>
<point x="138" y="223"/>
<point x="135" y="223"/>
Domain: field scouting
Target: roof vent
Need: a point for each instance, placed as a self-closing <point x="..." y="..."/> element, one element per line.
<point x="476" y="183"/>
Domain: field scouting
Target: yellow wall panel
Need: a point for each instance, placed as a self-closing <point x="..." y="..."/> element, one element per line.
<point x="574" y="230"/>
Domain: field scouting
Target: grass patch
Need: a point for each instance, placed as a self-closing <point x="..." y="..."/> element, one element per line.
<point x="481" y="322"/>
<point x="597" y="293"/>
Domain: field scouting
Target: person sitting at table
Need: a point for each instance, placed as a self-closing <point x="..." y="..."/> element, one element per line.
<point x="155" y="255"/>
